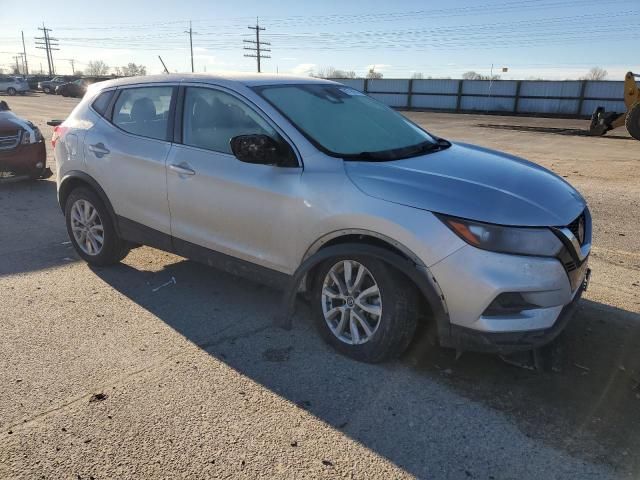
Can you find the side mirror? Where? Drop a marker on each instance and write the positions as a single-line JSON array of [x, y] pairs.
[[260, 149]]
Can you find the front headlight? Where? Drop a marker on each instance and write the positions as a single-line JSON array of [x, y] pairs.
[[28, 137], [538, 241]]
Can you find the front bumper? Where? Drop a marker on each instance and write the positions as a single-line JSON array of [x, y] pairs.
[[30, 159], [471, 279]]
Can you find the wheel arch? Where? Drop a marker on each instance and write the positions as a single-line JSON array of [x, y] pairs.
[[74, 179]]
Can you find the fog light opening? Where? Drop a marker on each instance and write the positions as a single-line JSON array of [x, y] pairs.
[[508, 303]]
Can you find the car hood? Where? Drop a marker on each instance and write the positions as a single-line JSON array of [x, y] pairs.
[[472, 182], [10, 122]]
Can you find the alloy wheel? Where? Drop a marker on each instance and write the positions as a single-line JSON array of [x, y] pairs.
[[87, 227], [351, 302]]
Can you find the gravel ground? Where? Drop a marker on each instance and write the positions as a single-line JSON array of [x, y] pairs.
[[101, 377]]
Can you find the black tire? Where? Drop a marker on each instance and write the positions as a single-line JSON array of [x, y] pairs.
[[399, 320], [11, 91], [46, 90], [114, 248], [632, 121]]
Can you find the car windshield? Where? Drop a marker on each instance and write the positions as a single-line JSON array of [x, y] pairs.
[[344, 122]]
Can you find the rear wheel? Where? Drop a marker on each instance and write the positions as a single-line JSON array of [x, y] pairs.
[[91, 230], [11, 91], [632, 121], [46, 90], [363, 308]]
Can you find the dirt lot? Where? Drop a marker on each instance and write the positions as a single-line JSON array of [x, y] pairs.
[[101, 377]]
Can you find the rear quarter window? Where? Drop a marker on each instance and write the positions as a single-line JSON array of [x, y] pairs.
[[101, 103]]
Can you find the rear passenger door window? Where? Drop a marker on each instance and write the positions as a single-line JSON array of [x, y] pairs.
[[212, 118], [144, 111]]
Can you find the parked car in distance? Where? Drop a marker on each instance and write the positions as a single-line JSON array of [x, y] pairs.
[[315, 186], [13, 85], [76, 88], [49, 86], [22, 149]]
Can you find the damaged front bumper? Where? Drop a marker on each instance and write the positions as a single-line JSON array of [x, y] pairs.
[[29, 159]]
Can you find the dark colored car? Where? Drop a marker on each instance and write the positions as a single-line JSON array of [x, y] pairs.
[[49, 86], [75, 89], [22, 149]]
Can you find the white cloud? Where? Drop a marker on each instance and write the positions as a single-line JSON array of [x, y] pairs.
[[303, 68]]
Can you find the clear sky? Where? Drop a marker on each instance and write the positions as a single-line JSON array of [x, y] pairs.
[[554, 39]]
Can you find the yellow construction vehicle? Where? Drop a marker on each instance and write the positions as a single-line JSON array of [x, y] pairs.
[[602, 122]]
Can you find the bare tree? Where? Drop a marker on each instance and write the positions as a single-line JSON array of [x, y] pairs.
[[331, 72], [596, 73], [471, 75], [372, 74], [418, 76], [97, 68], [132, 70]]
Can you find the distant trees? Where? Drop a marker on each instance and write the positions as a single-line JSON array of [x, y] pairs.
[[596, 73], [417, 76], [97, 68], [331, 72], [471, 75], [131, 70]]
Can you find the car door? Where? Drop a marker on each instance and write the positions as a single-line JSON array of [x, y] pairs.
[[126, 153], [220, 203]]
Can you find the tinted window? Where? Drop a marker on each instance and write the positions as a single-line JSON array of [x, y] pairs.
[[101, 103], [212, 118], [143, 111]]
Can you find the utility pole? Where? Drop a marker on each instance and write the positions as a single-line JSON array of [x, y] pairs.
[[190, 32], [24, 51], [16, 57], [73, 68], [257, 48], [48, 43]]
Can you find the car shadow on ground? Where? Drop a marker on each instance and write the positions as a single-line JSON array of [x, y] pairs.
[[33, 235], [575, 132], [583, 406]]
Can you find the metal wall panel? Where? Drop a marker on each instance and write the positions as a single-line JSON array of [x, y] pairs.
[[590, 105], [444, 102], [550, 89], [491, 104], [388, 85], [543, 105], [481, 87], [435, 86], [604, 90], [391, 99], [357, 83]]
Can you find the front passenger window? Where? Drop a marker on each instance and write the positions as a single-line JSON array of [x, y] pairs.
[[144, 111], [212, 118]]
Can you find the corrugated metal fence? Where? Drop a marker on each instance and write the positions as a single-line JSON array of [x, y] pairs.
[[571, 98]]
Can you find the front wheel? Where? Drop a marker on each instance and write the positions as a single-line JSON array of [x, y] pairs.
[[364, 308], [46, 90], [632, 121], [91, 229], [11, 91]]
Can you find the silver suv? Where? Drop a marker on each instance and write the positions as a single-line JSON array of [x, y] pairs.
[[318, 188], [13, 85]]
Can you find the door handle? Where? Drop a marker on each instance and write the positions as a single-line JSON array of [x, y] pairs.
[[99, 150], [181, 169]]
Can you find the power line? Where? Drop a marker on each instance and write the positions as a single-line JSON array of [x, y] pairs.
[[258, 45]]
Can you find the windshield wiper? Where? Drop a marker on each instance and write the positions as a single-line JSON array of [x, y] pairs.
[[400, 153]]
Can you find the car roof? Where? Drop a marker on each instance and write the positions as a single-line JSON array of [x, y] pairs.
[[247, 79]]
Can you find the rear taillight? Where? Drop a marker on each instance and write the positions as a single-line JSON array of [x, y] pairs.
[[57, 133]]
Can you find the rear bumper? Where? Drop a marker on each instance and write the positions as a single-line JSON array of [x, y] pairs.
[[25, 159]]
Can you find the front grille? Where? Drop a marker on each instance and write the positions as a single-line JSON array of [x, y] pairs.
[[9, 141], [573, 226]]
